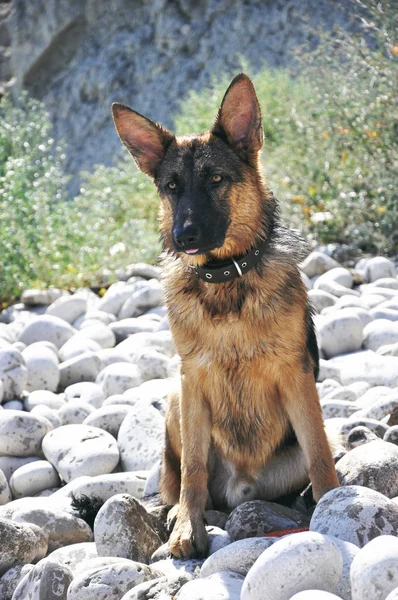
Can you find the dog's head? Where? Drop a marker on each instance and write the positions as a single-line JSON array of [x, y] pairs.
[[209, 183]]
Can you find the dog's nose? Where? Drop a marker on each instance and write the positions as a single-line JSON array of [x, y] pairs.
[[186, 236]]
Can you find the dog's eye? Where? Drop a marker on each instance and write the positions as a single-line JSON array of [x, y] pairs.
[[172, 185], [216, 178]]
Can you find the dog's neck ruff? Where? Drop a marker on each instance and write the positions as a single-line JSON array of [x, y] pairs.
[[220, 272]]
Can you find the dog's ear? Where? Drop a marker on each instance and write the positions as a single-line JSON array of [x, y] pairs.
[[239, 118], [144, 139]]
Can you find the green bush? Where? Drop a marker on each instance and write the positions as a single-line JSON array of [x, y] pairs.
[[46, 239]]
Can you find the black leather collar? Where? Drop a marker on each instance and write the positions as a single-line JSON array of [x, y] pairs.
[[220, 272]]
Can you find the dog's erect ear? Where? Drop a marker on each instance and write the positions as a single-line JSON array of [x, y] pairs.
[[239, 118], [143, 138]]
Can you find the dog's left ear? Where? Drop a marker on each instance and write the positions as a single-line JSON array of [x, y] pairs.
[[239, 118], [145, 140]]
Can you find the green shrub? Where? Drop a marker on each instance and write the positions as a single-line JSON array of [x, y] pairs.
[[46, 239]]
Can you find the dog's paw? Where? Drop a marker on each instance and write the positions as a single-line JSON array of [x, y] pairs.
[[188, 540]]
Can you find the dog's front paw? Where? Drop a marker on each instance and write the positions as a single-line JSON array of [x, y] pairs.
[[188, 539]]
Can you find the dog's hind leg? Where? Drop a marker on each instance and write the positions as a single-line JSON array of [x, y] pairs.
[[170, 477]]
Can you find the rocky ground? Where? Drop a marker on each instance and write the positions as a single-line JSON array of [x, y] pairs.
[[83, 387]]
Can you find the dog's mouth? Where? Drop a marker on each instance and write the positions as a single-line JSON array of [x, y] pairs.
[[203, 250]]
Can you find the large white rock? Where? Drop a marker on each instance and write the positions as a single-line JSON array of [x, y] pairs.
[[48, 579], [87, 392], [295, 563], [149, 296], [109, 356], [238, 556], [43, 398], [77, 450], [110, 582], [380, 333], [43, 369], [36, 297], [374, 570], [379, 268], [225, 585], [84, 367], [77, 345], [100, 333], [21, 433], [367, 366], [355, 514], [119, 377], [115, 296], [126, 327], [68, 308], [61, 527], [18, 544], [109, 418], [9, 464], [338, 275], [74, 412], [46, 327], [13, 373], [141, 437], [160, 340], [32, 478], [317, 263], [320, 299], [339, 332], [106, 486]]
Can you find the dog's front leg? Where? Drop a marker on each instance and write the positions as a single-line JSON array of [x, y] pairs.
[[303, 408], [189, 536]]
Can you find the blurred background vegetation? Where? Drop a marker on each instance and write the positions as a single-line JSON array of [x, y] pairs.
[[330, 155]]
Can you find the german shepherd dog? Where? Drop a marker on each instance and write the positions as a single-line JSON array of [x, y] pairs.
[[246, 423]]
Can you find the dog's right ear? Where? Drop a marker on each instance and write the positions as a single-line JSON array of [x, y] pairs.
[[144, 139]]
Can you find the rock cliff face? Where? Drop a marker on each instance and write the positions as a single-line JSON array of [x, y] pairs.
[[80, 55]]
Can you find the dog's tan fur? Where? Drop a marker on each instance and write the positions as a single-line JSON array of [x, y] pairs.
[[246, 376]]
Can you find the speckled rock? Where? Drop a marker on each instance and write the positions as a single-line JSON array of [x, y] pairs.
[[46, 327], [21, 433], [258, 517], [380, 333], [374, 570], [68, 308], [18, 544], [379, 268], [106, 486], [99, 332], [13, 373], [74, 412], [162, 588], [77, 450], [11, 578], [367, 366], [141, 437], [374, 465], [109, 418], [5, 492], [152, 364], [43, 369], [43, 398], [32, 478], [119, 377], [84, 367], [320, 299], [238, 556], [76, 346], [340, 332], [226, 585], [318, 263], [338, 408], [110, 582], [48, 579], [360, 435], [355, 514], [61, 527], [74, 556], [124, 528], [9, 464], [85, 391], [295, 563]]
